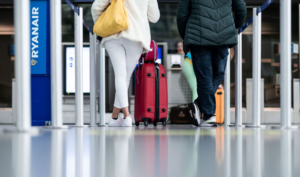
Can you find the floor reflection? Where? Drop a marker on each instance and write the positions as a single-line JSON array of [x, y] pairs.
[[172, 151]]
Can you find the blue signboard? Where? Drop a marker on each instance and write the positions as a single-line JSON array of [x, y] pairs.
[[40, 62], [40, 37]]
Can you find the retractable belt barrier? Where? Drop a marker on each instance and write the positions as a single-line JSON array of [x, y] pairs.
[[97, 54], [76, 9], [259, 10], [256, 19]]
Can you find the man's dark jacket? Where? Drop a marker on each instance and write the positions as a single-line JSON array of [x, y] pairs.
[[210, 22]]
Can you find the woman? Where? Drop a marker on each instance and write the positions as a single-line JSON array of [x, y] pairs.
[[179, 47], [125, 49], [187, 69]]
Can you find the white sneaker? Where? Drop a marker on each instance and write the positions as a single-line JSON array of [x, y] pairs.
[[127, 122], [211, 122], [195, 114], [115, 123]]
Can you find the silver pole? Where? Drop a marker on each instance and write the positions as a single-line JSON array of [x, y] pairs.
[[56, 64], [285, 63], [227, 91], [238, 83], [256, 70], [102, 86], [78, 67], [22, 63], [92, 80]]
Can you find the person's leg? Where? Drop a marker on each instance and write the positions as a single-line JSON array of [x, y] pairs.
[[118, 58], [133, 52], [189, 74], [202, 63], [219, 60], [220, 54]]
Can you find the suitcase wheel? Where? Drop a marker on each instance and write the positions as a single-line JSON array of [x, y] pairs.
[[146, 123], [164, 123], [155, 124], [137, 124]]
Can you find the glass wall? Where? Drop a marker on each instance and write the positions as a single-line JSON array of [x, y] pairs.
[[6, 56]]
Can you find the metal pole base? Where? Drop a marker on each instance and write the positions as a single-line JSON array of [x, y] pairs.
[[256, 126], [285, 127], [56, 127], [33, 131]]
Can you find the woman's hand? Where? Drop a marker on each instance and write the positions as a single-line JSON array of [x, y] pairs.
[[99, 38]]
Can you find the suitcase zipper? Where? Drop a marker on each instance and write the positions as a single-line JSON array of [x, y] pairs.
[[156, 118]]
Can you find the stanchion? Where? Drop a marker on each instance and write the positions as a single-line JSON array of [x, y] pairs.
[[22, 67], [238, 83], [285, 65], [102, 86], [92, 80], [56, 66], [227, 91], [256, 71], [79, 67]]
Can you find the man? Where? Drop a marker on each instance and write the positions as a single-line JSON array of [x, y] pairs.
[[208, 29]]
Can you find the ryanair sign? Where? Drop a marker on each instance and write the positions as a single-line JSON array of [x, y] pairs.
[[40, 37]]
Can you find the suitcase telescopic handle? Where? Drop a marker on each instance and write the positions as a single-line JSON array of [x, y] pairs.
[[142, 58]]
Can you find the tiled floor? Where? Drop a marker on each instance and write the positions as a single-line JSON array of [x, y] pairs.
[[182, 151]]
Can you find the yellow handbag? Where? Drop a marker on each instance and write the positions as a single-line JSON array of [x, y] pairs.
[[113, 20]]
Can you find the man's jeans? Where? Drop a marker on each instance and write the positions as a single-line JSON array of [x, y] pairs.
[[209, 64]]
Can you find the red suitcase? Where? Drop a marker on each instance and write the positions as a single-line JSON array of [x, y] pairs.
[[151, 92]]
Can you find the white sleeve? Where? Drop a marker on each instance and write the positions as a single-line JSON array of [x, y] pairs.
[[98, 7], [153, 11]]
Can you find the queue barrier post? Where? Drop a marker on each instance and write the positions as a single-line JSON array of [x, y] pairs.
[[102, 86], [56, 66], [227, 91], [92, 80], [79, 68], [256, 71], [238, 83], [22, 69], [285, 63]]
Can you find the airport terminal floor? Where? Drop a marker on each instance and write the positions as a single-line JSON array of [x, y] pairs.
[[177, 150]]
